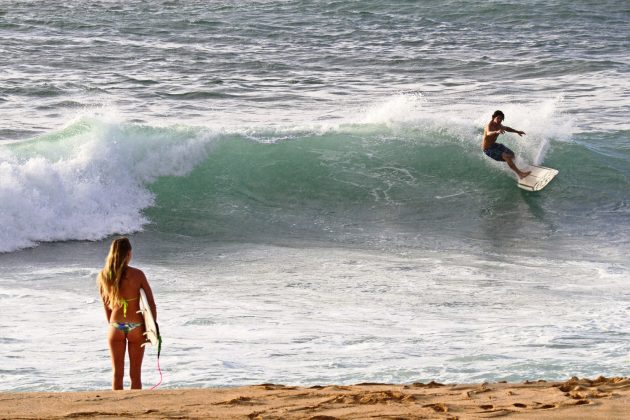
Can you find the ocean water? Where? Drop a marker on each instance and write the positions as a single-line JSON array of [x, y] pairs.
[[303, 185]]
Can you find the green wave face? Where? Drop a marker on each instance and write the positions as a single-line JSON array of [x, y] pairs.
[[409, 184], [385, 186]]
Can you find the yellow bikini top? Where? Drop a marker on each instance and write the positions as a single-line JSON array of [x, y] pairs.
[[125, 303]]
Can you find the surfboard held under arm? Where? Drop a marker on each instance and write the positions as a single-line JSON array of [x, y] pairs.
[[151, 333], [538, 179]]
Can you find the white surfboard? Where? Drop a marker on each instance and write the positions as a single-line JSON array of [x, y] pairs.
[[150, 327], [538, 179]]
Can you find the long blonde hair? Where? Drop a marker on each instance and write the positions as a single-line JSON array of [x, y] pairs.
[[113, 272]]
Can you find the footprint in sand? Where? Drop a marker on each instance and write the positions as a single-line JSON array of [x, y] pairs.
[[437, 407], [237, 401]]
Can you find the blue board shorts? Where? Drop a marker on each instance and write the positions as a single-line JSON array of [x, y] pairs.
[[496, 151]]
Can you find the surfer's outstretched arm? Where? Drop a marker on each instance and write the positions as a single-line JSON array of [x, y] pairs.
[[512, 130]]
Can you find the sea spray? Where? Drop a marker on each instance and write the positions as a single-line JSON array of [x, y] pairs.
[[90, 181], [100, 175]]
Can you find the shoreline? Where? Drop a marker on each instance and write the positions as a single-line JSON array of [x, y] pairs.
[[575, 398]]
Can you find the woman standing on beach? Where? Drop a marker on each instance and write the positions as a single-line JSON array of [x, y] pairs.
[[119, 286]]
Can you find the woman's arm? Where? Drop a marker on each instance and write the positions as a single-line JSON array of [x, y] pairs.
[[108, 312]]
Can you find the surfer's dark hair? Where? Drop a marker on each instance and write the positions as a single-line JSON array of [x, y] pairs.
[[498, 113]]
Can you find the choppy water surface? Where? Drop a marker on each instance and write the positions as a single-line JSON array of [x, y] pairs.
[[303, 185]]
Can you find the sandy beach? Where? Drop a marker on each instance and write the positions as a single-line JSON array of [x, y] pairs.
[[601, 398]]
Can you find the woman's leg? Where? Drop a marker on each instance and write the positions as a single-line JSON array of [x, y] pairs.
[[135, 339], [117, 344]]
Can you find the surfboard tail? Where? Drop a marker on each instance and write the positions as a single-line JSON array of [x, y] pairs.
[[539, 177]]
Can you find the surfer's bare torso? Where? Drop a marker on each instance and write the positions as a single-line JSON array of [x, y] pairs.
[[491, 133]]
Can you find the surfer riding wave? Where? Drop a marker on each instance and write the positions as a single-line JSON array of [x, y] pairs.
[[498, 151]]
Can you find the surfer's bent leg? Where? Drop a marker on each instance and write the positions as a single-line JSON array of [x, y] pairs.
[[135, 339], [117, 345], [509, 159]]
